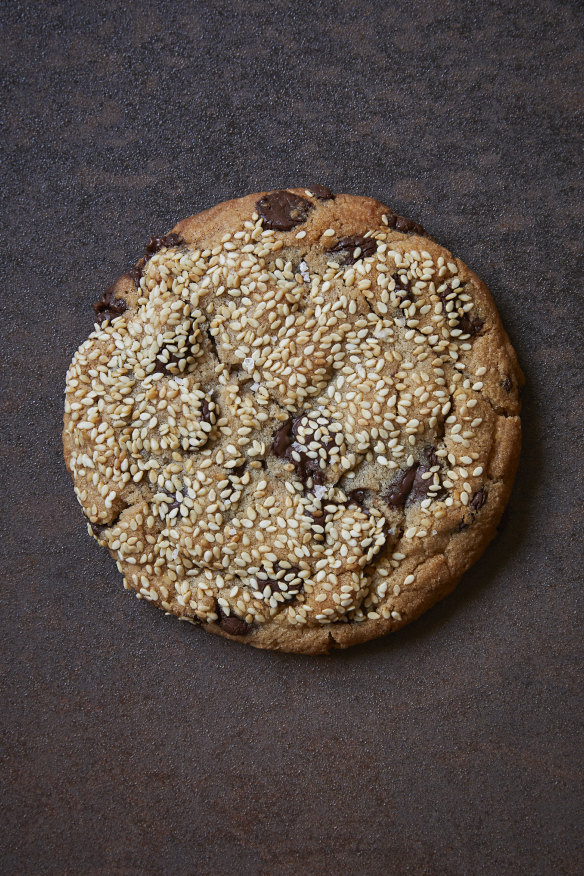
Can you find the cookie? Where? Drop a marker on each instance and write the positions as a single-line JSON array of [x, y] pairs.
[[296, 422]]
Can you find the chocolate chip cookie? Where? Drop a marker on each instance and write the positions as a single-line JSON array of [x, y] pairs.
[[296, 422]]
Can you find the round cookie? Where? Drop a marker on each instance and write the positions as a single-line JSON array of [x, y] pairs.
[[296, 422]]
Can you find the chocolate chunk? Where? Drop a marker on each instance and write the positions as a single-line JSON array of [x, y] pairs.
[[291, 587], [318, 516], [283, 210], [399, 490], [137, 270], [282, 439], [238, 470], [174, 503], [475, 504], [205, 411], [430, 454], [403, 289], [478, 500], [321, 192], [406, 226], [420, 485], [108, 306], [443, 296], [470, 323], [161, 367], [400, 223], [358, 497], [380, 548], [99, 528], [230, 623], [306, 466], [348, 245], [158, 242], [507, 383]]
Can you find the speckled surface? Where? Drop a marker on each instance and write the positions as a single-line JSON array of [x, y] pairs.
[[133, 744]]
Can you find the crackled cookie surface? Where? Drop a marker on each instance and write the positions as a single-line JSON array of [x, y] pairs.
[[296, 421]]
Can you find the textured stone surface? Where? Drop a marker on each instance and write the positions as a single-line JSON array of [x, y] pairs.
[[134, 744]]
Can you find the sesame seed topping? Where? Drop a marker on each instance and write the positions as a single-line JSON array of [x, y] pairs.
[[269, 433]]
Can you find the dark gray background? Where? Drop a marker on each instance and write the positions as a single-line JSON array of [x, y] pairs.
[[134, 744]]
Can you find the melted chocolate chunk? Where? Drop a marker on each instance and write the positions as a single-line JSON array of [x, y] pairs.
[[164, 367], [282, 439], [235, 626], [283, 210], [99, 528], [108, 306], [293, 589], [399, 490], [137, 270], [158, 242], [475, 504], [306, 467], [358, 497], [507, 383], [478, 500], [400, 223], [347, 246], [205, 411], [443, 296], [410, 486], [174, 504], [430, 454], [420, 485], [403, 290], [407, 226], [380, 548], [470, 323], [238, 470], [321, 192]]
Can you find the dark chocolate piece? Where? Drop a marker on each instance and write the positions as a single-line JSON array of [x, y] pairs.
[[230, 623], [478, 500], [137, 270], [158, 242], [399, 490], [282, 439], [283, 210], [470, 323], [410, 486], [507, 383], [402, 288], [161, 367], [475, 504], [358, 497], [275, 583], [108, 306], [407, 225], [347, 246], [205, 411], [306, 467], [321, 192]]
